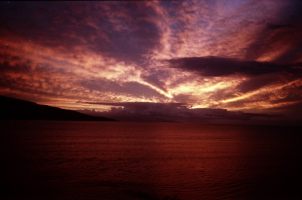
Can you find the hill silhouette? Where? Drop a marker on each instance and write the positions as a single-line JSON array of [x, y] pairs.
[[16, 109]]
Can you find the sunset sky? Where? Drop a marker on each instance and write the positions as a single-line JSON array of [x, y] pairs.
[[238, 55]]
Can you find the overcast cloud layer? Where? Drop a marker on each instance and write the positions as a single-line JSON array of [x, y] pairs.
[[239, 55]]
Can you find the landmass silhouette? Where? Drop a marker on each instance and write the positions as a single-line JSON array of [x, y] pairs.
[[17, 109]]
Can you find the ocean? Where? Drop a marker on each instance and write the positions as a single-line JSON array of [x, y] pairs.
[[151, 161]]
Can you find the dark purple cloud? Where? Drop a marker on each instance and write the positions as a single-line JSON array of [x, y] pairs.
[[145, 111], [284, 31], [123, 30], [218, 66], [257, 82]]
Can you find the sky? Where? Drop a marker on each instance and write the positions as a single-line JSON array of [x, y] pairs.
[[176, 57]]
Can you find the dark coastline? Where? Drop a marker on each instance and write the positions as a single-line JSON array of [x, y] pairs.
[[17, 109]]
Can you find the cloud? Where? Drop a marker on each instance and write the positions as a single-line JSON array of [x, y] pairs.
[[266, 98], [218, 66], [37, 73], [279, 40], [146, 111], [157, 77], [123, 30], [130, 88], [257, 82], [235, 55]]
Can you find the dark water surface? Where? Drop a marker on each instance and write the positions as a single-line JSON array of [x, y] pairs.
[[169, 161]]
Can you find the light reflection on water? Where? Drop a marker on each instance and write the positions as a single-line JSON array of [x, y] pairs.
[[115, 160]]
